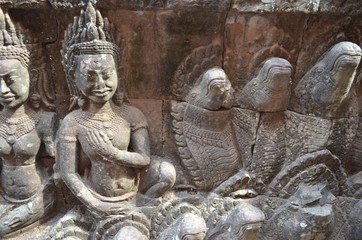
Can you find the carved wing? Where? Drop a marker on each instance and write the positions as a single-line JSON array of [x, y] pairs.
[[245, 123], [210, 157], [214, 153], [269, 151], [177, 112], [343, 132], [305, 134]]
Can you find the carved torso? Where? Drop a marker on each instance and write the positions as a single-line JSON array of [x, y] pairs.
[[20, 177], [105, 177]]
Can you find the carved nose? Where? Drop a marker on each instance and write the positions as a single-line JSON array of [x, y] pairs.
[[100, 83], [3, 87]]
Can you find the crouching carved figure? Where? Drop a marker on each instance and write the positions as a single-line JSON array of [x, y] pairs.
[[322, 117], [26, 134], [203, 133], [259, 122], [93, 146]]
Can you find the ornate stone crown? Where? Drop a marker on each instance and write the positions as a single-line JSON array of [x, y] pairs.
[[11, 41], [90, 33]]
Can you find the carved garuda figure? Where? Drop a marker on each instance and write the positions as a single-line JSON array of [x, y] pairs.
[[322, 90], [93, 153], [203, 132], [322, 119], [26, 132], [259, 122]]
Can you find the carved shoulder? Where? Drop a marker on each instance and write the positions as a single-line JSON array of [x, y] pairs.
[[134, 116], [68, 127]]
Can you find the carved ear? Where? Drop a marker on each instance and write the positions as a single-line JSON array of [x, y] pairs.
[[35, 100], [34, 74]]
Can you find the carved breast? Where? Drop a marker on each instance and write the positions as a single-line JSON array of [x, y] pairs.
[[24, 149]]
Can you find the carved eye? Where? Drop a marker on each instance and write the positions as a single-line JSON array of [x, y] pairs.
[[91, 77], [9, 79], [107, 75]]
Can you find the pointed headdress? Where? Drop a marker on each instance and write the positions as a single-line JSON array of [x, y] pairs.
[[90, 33], [11, 41]]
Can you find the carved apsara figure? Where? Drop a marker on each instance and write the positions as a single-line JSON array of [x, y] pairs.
[[259, 122], [203, 132], [94, 154], [321, 118], [26, 135]]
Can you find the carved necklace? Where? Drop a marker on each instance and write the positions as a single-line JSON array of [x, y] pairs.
[[12, 129], [106, 121]]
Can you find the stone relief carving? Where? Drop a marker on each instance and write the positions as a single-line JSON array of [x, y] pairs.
[[178, 220], [259, 122], [269, 160], [317, 102], [206, 147], [323, 88], [93, 155], [26, 133], [234, 219]]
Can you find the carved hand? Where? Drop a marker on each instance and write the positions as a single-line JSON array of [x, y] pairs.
[[99, 143]]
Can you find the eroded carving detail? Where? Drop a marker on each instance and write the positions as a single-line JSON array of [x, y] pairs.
[[234, 219], [269, 91], [308, 214]]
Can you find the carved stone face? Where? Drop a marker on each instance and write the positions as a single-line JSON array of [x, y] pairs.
[[14, 83], [96, 76], [213, 91]]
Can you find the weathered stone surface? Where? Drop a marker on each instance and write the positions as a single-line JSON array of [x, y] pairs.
[[252, 39], [213, 79], [305, 6]]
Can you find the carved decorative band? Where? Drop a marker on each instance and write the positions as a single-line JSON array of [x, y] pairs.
[[19, 53]]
